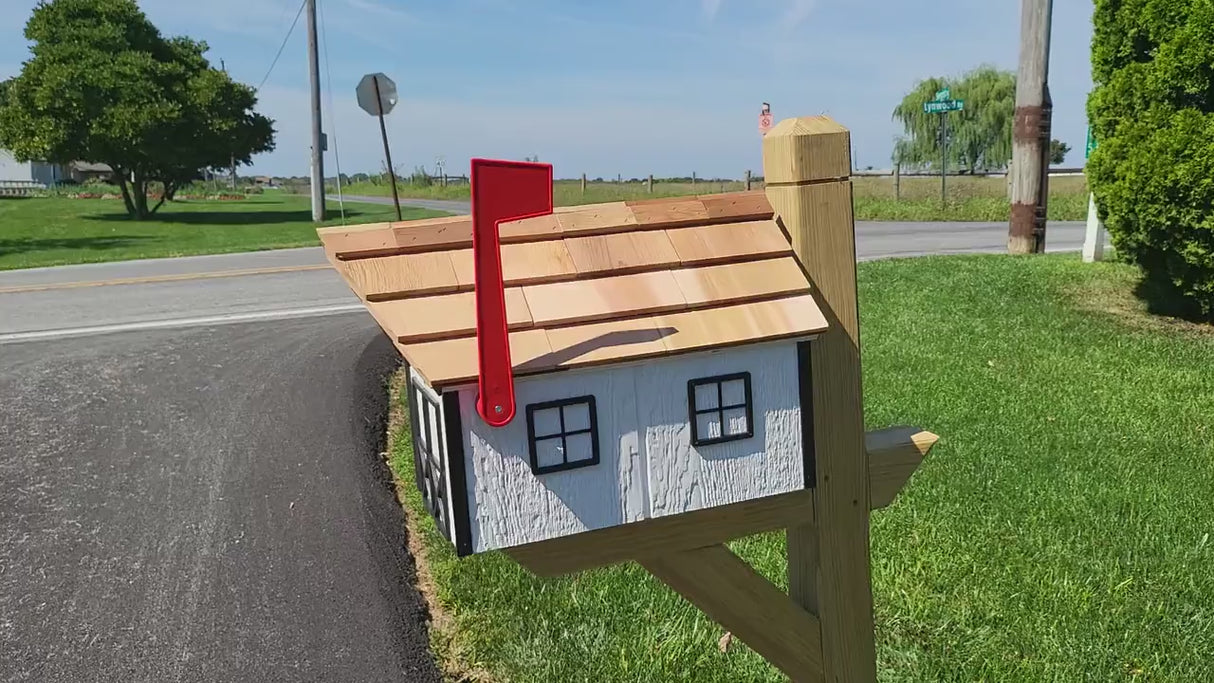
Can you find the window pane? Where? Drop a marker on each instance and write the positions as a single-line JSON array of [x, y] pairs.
[[419, 402], [735, 422], [435, 439], [577, 417], [547, 422], [706, 396], [733, 392], [708, 426], [579, 447], [548, 452]]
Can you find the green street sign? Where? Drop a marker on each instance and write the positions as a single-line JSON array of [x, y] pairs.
[[945, 106], [943, 94], [1091, 145]]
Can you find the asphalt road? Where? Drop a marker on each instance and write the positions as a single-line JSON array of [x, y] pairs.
[[190, 480], [204, 504]]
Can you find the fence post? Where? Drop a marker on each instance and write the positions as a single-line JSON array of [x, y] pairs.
[[898, 181], [748, 180], [649, 184], [583, 183], [693, 178], [444, 179]]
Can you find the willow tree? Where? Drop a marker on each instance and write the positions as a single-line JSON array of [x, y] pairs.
[[980, 136]]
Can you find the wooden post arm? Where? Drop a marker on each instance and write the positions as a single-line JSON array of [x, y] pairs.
[[893, 456]]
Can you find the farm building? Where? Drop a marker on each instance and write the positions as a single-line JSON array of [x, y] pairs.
[[658, 350]]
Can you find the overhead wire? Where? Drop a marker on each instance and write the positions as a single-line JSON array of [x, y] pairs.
[[285, 38], [324, 41]]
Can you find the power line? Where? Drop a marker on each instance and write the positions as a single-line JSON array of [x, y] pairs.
[[283, 46]]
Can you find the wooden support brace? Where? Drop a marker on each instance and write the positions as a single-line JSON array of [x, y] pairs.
[[893, 455], [738, 598]]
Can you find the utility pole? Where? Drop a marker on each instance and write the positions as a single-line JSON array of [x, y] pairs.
[[231, 157], [1030, 131], [318, 154]]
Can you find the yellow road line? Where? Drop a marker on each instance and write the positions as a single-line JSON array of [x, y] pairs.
[[161, 278]]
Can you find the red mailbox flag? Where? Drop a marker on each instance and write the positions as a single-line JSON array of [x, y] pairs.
[[501, 191]]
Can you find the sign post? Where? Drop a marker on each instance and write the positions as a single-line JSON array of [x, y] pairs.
[[765, 119], [1093, 238], [942, 104], [377, 96]]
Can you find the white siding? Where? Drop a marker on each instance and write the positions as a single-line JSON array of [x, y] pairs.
[[508, 505], [11, 169], [682, 477], [647, 465]]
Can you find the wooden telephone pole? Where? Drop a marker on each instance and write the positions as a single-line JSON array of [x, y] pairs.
[[1031, 130], [318, 152]]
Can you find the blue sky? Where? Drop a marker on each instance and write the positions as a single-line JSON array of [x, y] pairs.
[[605, 87]]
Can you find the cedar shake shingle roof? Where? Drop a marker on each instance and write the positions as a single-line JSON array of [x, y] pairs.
[[585, 285]]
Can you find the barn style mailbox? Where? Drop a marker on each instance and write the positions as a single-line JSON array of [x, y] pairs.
[[647, 380]]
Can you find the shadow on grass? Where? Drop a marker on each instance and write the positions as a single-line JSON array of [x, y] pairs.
[[218, 217], [1164, 298], [22, 246]]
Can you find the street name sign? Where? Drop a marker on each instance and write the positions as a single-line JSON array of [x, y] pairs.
[[939, 107]]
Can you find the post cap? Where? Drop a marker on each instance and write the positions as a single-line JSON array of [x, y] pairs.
[[805, 149]]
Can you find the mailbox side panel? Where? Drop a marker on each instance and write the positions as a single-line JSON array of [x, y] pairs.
[[509, 504], [684, 476]]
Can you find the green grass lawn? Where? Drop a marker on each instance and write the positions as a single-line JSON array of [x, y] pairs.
[[969, 199], [50, 231], [1060, 530]]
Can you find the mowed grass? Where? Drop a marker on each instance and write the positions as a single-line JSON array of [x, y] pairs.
[[1060, 530], [969, 199], [51, 231]]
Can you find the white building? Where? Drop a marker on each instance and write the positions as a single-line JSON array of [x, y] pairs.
[[660, 353], [40, 172]]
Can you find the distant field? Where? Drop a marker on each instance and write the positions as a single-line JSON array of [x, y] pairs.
[[969, 199], [51, 231]]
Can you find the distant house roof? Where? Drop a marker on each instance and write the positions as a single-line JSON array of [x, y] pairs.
[[586, 285], [90, 167]]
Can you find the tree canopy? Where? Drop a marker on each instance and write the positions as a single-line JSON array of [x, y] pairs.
[[1152, 111], [103, 85], [980, 136]]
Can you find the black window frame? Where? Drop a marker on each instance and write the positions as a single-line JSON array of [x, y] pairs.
[[533, 439], [747, 403]]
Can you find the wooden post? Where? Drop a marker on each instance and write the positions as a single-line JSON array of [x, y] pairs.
[[898, 182], [444, 180], [649, 184], [748, 180], [807, 164], [1026, 234], [583, 183], [693, 178]]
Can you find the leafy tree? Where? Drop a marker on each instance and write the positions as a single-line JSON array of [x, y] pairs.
[[1152, 111], [1058, 151], [103, 85], [980, 136]]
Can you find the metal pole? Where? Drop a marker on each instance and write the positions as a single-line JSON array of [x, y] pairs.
[[383, 133], [318, 156], [1026, 229], [943, 156]]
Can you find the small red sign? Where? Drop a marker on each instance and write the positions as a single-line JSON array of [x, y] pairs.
[[764, 122]]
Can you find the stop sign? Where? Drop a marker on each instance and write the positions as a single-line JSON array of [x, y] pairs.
[[366, 94]]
